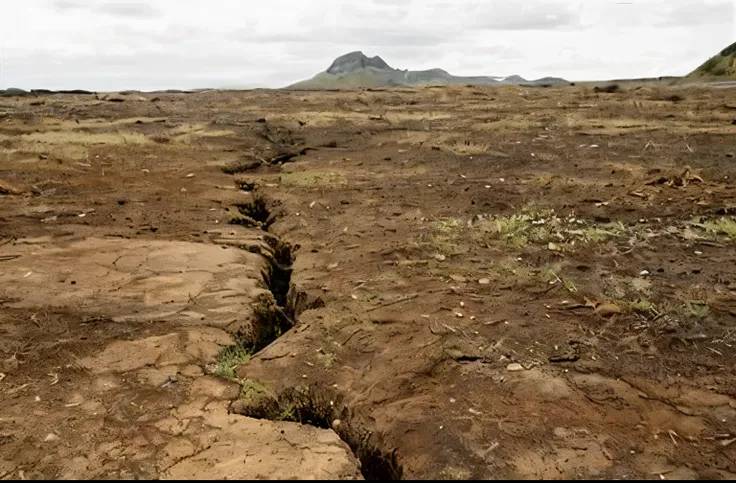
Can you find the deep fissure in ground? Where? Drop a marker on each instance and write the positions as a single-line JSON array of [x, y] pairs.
[[274, 316]]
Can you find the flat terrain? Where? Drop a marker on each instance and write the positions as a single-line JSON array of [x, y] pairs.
[[456, 282]]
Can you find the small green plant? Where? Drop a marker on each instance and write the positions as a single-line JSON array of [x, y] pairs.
[[252, 390], [641, 306], [288, 413], [569, 285], [232, 356], [721, 226], [697, 308]]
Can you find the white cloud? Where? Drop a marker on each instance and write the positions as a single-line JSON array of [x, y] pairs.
[[106, 44]]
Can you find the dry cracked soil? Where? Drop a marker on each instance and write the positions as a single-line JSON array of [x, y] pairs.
[[454, 283]]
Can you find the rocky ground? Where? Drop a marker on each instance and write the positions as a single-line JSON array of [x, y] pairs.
[[456, 282]]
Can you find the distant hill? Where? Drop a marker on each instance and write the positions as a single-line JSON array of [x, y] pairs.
[[355, 70], [721, 65]]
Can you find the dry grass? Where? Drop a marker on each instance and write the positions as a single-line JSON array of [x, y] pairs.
[[313, 179], [725, 226]]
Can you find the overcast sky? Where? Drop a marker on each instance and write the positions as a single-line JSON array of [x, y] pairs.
[[158, 44]]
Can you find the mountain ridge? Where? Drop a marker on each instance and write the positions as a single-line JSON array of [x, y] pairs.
[[355, 69]]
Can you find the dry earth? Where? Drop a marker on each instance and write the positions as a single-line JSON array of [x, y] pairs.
[[453, 283]]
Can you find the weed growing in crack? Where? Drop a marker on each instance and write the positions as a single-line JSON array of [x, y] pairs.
[[252, 390], [232, 356]]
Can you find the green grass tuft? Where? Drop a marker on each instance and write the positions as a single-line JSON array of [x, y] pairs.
[[232, 356]]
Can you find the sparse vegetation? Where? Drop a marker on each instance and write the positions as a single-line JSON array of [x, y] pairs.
[[697, 308], [725, 226], [326, 359], [313, 179], [642, 306], [232, 356], [721, 65]]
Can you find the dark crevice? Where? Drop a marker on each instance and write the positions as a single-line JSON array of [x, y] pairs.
[[244, 185], [274, 315], [323, 409], [254, 214]]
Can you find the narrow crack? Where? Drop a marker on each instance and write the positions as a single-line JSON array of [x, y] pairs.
[[276, 315]]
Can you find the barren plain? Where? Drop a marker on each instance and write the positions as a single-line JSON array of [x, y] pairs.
[[457, 282]]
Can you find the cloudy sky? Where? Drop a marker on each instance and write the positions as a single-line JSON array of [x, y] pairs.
[[157, 44]]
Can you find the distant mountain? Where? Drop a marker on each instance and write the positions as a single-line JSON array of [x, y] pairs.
[[721, 65], [358, 70]]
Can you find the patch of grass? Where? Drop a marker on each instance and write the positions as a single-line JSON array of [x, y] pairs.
[[308, 179], [442, 237], [253, 390], [569, 285], [232, 356], [642, 306], [288, 413], [697, 308], [549, 275], [531, 225], [326, 359], [725, 226], [599, 233]]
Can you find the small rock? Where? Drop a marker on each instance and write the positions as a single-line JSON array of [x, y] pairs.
[[553, 246], [336, 424], [458, 278], [484, 281], [190, 175], [439, 257], [51, 437], [644, 273], [515, 367], [145, 171]]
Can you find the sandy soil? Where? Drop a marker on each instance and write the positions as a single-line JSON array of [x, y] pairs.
[[451, 283]]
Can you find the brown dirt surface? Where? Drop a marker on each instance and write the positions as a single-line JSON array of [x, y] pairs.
[[454, 283]]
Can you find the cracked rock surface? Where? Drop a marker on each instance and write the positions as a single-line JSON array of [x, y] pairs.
[[121, 392]]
